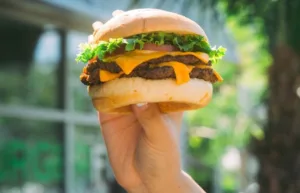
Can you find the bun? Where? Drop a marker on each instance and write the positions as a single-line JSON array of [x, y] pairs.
[[117, 95], [145, 21]]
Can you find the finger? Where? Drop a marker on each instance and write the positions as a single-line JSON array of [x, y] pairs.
[[97, 25], [108, 121], [90, 38], [110, 124], [117, 12], [158, 127], [103, 117]]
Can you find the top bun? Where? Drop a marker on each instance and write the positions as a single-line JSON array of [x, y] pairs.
[[140, 21]]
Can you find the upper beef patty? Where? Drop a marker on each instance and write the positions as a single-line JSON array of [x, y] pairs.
[[90, 74]]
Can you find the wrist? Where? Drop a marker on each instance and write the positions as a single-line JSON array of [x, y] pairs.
[[183, 183]]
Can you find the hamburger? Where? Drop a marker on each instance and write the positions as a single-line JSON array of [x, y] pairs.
[[149, 56]]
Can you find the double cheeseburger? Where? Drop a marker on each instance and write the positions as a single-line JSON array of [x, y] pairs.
[[149, 56]]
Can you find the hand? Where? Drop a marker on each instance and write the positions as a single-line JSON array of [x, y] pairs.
[[143, 148]]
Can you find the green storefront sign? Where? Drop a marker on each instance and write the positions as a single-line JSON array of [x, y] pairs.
[[39, 161]]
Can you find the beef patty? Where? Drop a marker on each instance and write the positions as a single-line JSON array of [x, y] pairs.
[[147, 70]]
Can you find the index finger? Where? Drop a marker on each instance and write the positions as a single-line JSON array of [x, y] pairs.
[[104, 117]]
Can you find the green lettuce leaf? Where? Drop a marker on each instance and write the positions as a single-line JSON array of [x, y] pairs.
[[217, 54], [185, 43]]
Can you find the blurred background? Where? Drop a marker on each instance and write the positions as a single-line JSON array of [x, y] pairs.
[[247, 140]]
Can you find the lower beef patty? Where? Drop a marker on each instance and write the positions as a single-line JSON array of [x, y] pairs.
[[90, 75]]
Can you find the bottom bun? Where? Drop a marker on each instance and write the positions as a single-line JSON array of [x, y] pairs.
[[117, 95]]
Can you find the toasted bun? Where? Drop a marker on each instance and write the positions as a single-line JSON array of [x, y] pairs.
[[140, 21], [117, 95]]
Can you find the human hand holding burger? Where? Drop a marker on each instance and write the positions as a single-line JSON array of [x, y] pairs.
[[145, 67], [143, 150]]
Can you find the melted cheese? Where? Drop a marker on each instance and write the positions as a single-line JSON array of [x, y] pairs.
[[203, 66], [219, 77], [131, 60], [105, 76], [182, 71]]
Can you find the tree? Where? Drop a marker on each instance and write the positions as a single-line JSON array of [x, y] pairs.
[[278, 153]]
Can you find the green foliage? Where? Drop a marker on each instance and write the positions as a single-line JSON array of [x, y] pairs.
[[226, 114], [232, 127], [185, 43], [275, 17], [195, 141], [229, 182], [204, 177]]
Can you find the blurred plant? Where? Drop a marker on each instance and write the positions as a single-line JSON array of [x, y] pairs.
[[275, 26], [228, 120]]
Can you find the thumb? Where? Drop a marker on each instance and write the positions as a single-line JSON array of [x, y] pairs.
[[158, 127]]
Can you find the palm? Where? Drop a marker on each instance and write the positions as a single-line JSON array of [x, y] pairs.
[[132, 155]]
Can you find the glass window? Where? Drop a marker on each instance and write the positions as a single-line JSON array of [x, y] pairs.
[[31, 154], [29, 65], [82, 100]]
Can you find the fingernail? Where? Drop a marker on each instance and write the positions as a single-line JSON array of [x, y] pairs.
[[90, 38], [96, 25], [141, 104], [117, 12]]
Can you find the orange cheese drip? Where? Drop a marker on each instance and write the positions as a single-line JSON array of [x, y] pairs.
[[219, 77], [182, 71], [107, 76]]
